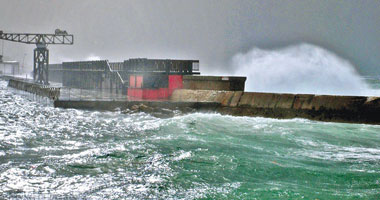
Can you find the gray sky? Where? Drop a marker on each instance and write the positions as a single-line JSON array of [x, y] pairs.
[[212, 31]]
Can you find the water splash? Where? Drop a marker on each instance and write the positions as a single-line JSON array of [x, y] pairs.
[[93, 57], [302, 68]]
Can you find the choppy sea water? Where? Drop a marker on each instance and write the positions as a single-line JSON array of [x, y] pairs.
[[48, 152]]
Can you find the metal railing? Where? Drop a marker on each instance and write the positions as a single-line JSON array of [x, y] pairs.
[[89, 94]]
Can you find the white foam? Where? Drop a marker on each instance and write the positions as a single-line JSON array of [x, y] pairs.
[[302, 68]]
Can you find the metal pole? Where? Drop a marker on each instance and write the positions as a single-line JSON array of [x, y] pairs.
[[23, 63]]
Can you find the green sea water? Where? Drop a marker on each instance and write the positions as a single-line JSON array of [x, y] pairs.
[[53, 153]]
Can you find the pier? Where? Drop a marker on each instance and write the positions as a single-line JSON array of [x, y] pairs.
[[176, 85]]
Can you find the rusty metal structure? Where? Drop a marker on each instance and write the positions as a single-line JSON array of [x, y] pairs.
[[41, 52]]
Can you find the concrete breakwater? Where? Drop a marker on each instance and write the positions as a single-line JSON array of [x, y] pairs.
[[34, 88], [349, 109], [122, 105], [161, 109]]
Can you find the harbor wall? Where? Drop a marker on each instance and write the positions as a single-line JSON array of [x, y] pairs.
[[34, 88], [351, 109], [147, 105]]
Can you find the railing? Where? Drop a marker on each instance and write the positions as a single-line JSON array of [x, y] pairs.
[[116, 72], [35, 88], [89, 94], [143, 65]]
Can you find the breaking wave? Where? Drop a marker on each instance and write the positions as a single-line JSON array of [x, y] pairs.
[[302, 68]]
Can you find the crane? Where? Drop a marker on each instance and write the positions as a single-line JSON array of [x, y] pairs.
[[41, 52]]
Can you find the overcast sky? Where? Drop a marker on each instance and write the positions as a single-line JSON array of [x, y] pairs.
[[212, 31]]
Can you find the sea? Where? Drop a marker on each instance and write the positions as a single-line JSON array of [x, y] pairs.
[[55, 153]]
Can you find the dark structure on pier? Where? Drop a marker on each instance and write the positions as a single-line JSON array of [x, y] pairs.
[[157, 79], [141, 78]]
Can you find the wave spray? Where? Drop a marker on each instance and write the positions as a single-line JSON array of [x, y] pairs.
[[302, 68]]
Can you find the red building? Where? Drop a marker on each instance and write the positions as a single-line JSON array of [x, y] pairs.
[[155, 79]]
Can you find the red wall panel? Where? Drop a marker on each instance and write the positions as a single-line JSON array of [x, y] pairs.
[[136, 93], [139, 81], [136, 82], [163, 93], [132, 81], [151, 94], [175, 82]]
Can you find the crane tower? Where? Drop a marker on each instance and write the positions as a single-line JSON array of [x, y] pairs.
[[41, 52]]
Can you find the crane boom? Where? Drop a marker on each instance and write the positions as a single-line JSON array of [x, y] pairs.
[[37, 38], [41, 53]]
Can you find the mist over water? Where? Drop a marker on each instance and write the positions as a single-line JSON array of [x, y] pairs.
[[302, 69]]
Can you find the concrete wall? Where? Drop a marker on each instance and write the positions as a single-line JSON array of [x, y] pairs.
[[225, 98], [41, 90], [214, 83], [353, 109], [150, 105]]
